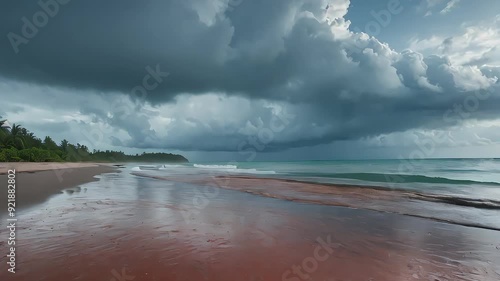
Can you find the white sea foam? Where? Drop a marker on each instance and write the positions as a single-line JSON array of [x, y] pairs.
[[253, 171], [167, 167], [149, 167], [215, 166], [233, 169], [135, 169]]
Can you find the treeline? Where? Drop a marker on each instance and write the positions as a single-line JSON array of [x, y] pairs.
[[21, 145]]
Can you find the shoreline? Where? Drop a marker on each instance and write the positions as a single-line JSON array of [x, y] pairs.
[[31, 167], [435, 207], [37, 182]]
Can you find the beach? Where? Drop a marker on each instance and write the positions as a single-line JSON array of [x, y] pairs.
[[129, 224], [38, 181], [233, 140]]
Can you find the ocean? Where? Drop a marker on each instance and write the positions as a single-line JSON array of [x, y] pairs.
[[477, 178], [461, 191]]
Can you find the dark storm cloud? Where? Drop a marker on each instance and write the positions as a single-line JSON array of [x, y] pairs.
[[340, 85], [107, 45]]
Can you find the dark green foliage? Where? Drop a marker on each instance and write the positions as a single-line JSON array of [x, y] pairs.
[[20, 145], [49, 144], [39, 155], [145, 157], [10, 155]]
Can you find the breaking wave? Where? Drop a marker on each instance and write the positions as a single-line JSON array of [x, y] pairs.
[[220, 169], [398, 178], [233, 169], [215, 166]]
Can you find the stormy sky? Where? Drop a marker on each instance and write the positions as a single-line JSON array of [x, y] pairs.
[[257, 80]]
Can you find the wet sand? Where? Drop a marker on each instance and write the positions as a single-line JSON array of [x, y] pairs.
[[30, 167], [438, 207], [125, 227], [35, 182]]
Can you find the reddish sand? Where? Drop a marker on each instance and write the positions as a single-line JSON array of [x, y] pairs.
[[140, 231], [374, 198]]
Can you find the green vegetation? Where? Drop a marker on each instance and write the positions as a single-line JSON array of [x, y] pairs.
[[21, 145]]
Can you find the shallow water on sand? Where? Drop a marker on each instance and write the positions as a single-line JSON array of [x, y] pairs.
[[126, 227]]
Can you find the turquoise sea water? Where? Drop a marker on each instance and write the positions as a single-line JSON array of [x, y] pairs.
[[473, 178], [461, 191]]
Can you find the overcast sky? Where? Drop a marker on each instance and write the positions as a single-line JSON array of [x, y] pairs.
[[222, 80]]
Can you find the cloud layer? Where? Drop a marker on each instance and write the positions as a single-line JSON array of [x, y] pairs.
[[235, 68]]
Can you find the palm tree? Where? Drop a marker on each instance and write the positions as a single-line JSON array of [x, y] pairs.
[[15, 138], [64, 145], [4, 124], [3, 132], [2, 129]]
